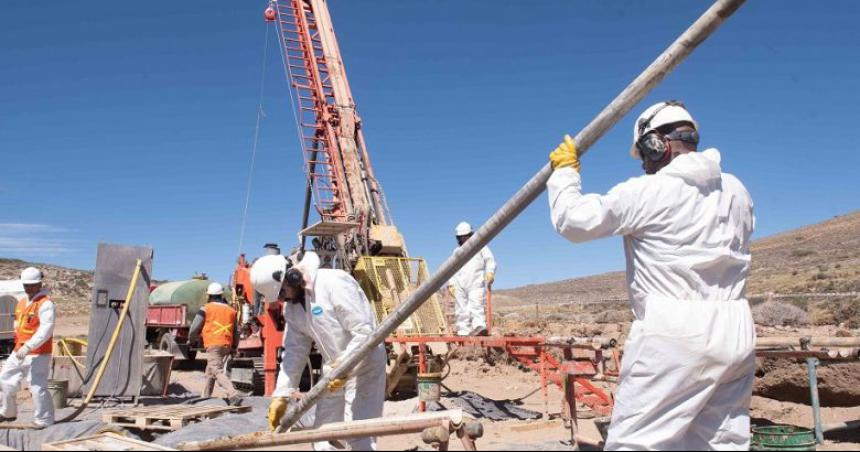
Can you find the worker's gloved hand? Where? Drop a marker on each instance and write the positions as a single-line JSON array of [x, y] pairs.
[[277, 409], [338, 383], [565, 155], [491, 278], [22, 352], [451, 291]]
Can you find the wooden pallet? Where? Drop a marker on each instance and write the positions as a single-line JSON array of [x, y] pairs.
[[103, 441], [166, 417]]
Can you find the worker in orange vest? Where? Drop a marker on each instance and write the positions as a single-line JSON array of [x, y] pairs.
[[217, 321], [34, 332]]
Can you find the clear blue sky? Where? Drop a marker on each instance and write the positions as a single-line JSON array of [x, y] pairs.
[[131, 122]]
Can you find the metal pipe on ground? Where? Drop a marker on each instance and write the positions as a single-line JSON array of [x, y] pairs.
[[840, 426], [415, 423], [632, 94], [808, 341]]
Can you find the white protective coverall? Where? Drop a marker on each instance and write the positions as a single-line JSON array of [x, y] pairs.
[[337, 317], [470, 290], [35, 368], [689, 362]]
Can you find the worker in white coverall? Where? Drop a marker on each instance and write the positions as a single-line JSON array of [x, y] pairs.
[[469, 287], [328, 308], [34, 332], [689, 361]]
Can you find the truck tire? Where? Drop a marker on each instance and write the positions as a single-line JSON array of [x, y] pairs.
[[166, 343]]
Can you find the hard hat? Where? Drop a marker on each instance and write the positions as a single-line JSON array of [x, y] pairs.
[[267, 275], [215, 289], [656, 116], [463, 229], [31, 275]]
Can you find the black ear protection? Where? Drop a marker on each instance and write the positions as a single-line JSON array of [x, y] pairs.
[[293, 277], [653, 145]]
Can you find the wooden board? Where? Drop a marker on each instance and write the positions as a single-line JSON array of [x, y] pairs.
[[166, 417], [103, 441]]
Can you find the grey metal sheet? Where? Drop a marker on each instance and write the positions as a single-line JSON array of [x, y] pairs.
[[114, 269]]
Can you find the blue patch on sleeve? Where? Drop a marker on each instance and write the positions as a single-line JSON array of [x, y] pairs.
[[317, 311]]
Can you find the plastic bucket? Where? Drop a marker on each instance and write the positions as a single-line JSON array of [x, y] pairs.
[[430, 387], [58, 390], [782, 437]]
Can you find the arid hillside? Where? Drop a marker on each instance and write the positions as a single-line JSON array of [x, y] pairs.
[[823, 257]]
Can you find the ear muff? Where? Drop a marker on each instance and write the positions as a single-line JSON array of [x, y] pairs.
[[295, 279], [652, 146]]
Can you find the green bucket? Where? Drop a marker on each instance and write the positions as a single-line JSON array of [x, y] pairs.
[[782, 437], [429, 387], [58, 390]]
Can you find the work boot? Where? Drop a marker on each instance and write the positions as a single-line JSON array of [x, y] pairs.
[[235, 400]]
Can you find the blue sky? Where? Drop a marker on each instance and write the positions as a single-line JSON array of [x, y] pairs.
[[132, 122]]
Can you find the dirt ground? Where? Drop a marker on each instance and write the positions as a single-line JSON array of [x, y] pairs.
[[506, 382]]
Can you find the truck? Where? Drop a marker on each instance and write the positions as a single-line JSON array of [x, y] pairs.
[[10, 292], [172, 307]]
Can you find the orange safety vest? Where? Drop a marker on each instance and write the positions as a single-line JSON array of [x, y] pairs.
[[219, 324], [27, 318]]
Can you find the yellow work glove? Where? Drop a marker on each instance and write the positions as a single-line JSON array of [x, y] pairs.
[[491, 277], [338, 383], [565, 155], [277, 409], [451, 291]]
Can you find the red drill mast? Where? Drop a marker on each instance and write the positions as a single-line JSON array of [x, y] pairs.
[[347, 197]]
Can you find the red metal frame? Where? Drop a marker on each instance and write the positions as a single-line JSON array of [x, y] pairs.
[[310, 78], [572, 374], [270, 337]]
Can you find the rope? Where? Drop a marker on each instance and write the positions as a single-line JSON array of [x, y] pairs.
[[260, 115]]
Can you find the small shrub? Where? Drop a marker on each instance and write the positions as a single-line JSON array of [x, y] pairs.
[[774, 313], [801, 253]]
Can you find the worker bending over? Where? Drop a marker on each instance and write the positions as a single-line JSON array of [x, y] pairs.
[[326, 307], [34, 333], [469, 287], [689, 362], [217, 321]]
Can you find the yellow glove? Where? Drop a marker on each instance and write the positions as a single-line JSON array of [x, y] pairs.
[[565, 155], [491, 277], [277, 409], [336, 385], [451, 291]]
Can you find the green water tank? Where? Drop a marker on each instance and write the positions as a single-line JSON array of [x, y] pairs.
[[191, 293]]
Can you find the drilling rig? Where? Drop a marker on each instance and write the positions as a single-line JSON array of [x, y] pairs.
[[352, 228]]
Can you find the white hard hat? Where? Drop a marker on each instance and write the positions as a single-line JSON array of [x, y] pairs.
[[463, 229], [31, 275], [215, 289], [656, 116], [263, 275]]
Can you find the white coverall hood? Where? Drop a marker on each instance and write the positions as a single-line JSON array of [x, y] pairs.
[[309, 266], [689, 361], [700, 169]]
